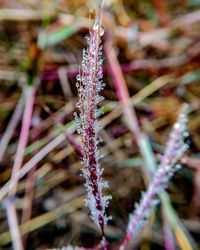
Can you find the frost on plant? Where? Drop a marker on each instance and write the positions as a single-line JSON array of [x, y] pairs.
[[89, 85], [175, 148]]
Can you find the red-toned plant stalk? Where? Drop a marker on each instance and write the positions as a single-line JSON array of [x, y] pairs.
[[89, 84]]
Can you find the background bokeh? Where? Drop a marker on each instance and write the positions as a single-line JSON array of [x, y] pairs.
[[156, 45]]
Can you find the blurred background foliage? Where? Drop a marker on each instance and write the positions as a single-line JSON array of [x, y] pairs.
[[157, 46]]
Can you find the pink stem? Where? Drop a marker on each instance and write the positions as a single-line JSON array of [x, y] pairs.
[[122, 90], [11, 127], [11, 210]]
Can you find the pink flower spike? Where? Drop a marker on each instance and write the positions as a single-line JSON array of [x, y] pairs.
[[89, 85], [175, 148]]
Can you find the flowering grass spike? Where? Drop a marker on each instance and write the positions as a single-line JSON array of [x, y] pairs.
[[89, 85], [175, 148]]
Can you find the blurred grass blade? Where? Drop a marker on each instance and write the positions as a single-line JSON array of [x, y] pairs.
[[47, 39], [182, 240], [183, 237], [131, 162], [5, 139], [147, 153], [190, 77]]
